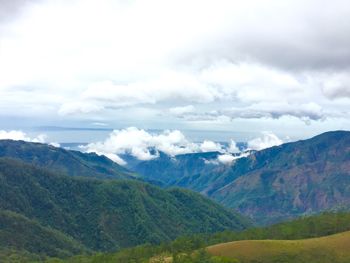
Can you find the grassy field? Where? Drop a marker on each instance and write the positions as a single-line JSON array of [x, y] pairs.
[[334, 248]]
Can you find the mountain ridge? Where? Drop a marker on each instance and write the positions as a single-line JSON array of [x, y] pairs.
[[73, 163]]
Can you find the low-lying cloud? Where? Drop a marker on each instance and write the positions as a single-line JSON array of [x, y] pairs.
[[267, 140], [140, 143], [18, 135], [145, 145]]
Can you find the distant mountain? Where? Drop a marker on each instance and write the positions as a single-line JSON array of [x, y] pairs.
[[271, 185], [286, 181], [168, 170], [73, 163], [98, 215]]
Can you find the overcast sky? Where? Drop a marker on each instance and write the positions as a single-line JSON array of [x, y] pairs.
[[239, 66]]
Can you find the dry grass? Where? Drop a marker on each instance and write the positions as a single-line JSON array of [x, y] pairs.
[[161, 259], [248, 250]]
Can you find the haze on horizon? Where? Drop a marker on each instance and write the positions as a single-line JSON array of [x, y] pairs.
[[243, 67]]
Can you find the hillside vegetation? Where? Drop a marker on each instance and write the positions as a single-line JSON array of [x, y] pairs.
[[191, 249], [20, 233], [101, 215]]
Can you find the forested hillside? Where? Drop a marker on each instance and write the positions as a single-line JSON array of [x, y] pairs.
[[191, 249], [102, 215]]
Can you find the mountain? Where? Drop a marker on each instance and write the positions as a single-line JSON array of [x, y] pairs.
[[289, 180], [73, 163], [271, 185], [102, 215]]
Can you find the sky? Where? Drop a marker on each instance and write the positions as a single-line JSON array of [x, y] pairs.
[[215, 70]]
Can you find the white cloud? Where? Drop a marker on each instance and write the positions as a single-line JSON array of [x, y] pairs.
[[20, 136], [138, 143], [182, 110], [170, 87], [115, 158], [233, 147], [232, 153], [55, 144], [267, 140], [258, 92], [79, 107], [210, 146], [229, 158], [226, 158], [101, 124], [337, 85], [277, 110], [211, 161], [145, 145]]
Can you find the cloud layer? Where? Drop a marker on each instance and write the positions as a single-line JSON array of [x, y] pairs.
[[145, 146], [140, 143], [179, 62]]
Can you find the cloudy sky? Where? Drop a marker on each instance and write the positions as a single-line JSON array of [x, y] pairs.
[[240, 67]]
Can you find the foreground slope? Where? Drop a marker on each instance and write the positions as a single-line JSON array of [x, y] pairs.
[[189, 249], [108, 214], [73, 163], [334, 248]]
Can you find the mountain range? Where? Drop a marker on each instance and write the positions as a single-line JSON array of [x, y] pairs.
[[58, 202], [270, 185]]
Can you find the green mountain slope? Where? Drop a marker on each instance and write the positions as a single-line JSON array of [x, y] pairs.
[[73, 163], [20, 233], [108, 214]]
